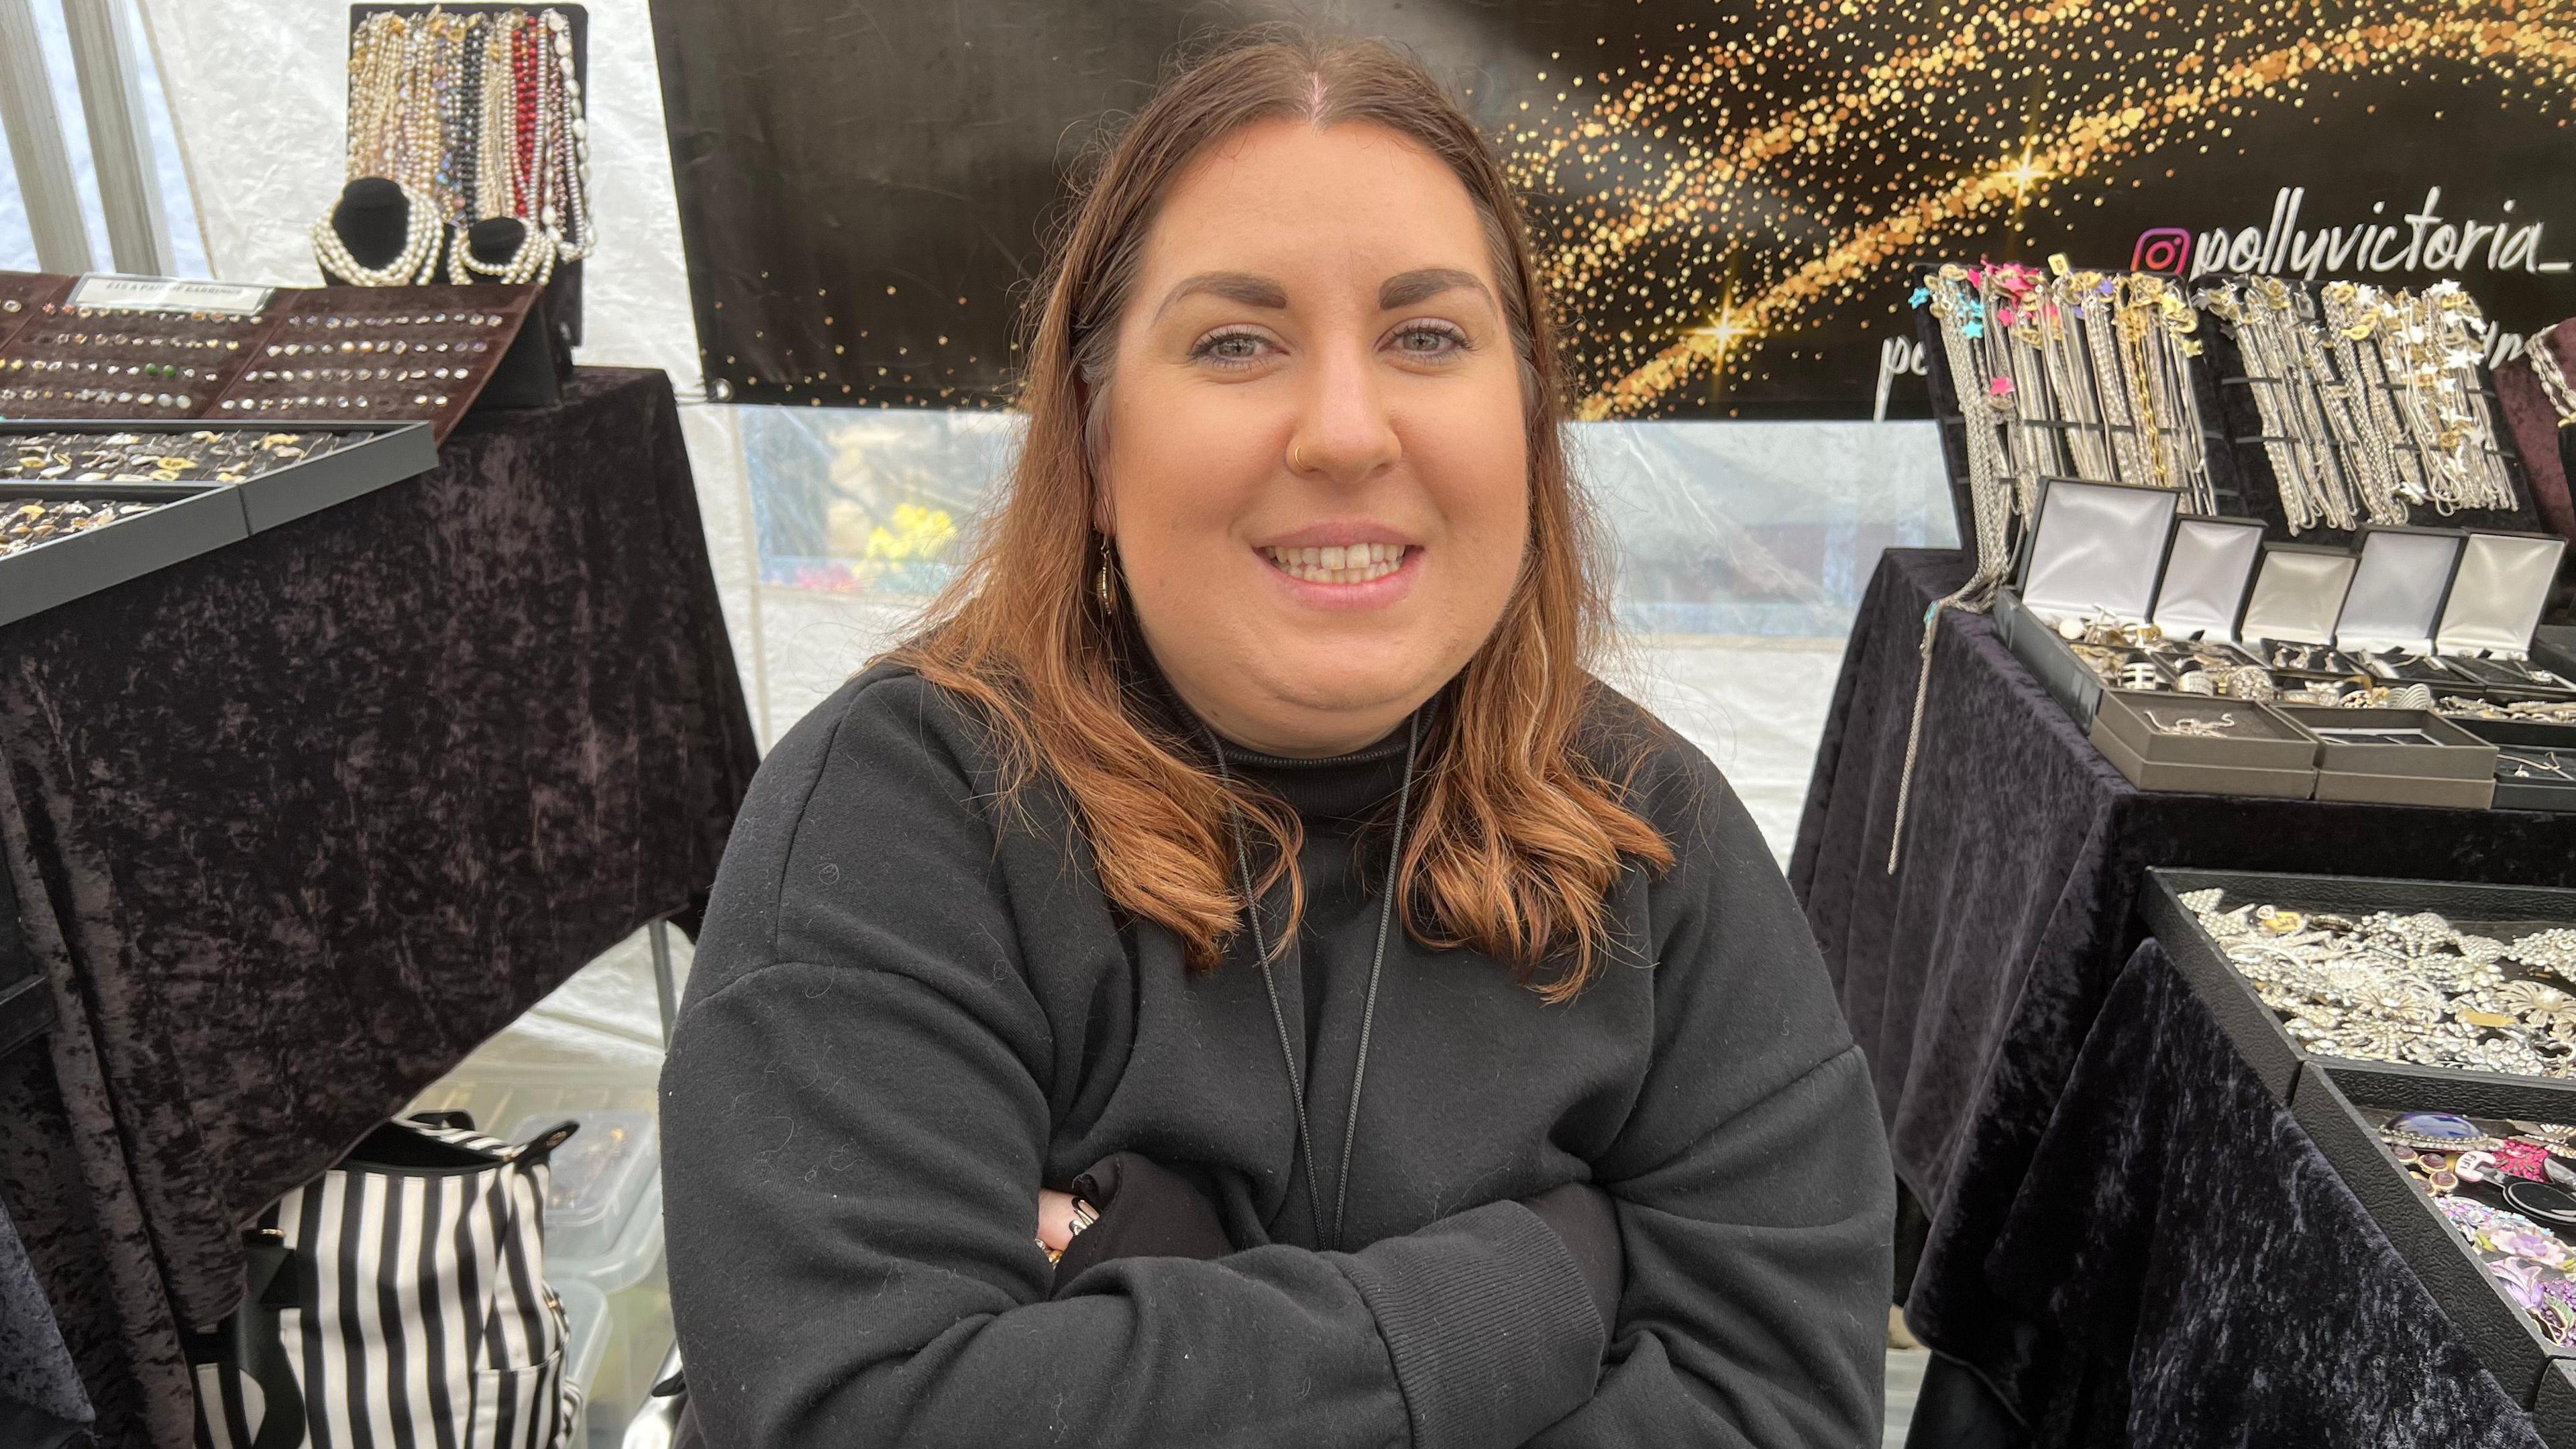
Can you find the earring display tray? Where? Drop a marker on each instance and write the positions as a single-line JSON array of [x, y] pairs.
[[56, 476], [415, 354], [2456, 1240], [2536, 927], [73, 361], [329, 355], [23, 296]]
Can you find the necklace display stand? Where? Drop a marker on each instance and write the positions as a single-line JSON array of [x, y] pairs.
[[563, 311], [374, 223], [531, 374]]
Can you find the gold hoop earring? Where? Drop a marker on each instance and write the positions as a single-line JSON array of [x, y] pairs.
[[1101, 586]]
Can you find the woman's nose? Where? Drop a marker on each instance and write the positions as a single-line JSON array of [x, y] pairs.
[[1344, 431]]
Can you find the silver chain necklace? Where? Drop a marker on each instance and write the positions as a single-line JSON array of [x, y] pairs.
[[1368, 1010]]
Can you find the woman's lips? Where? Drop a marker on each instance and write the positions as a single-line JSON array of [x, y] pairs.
[[1328, 578]]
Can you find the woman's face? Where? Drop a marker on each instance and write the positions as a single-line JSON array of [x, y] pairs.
[[1315, 471]]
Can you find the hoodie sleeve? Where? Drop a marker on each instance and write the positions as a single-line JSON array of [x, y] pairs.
[[1755, 1199], [854, 1129]]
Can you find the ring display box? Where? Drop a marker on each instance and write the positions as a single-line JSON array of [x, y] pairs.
[[2397, 757], [2395, 600], [2218, 747], [2095, 551], [2492, 612], [2535, 762], [2209, 564], [2290, 615], [282, 475]]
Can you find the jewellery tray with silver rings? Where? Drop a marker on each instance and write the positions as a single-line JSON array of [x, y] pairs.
[[188, 519], [2329, 1103], [2455, 770], [2211, 746]]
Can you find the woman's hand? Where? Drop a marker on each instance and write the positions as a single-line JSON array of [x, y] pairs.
[[1055, 1219]]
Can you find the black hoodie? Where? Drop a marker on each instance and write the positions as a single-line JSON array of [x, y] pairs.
[[911, 1008]]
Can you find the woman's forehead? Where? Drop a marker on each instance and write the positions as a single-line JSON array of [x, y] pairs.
[[1351, 205]]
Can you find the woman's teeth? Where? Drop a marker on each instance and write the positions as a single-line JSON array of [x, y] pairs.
[[1358, 563]]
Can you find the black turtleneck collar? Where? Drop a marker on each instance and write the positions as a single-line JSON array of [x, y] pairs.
[[1330, 789]]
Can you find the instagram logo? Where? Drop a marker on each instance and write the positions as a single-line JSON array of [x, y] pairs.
[[2165, 249]]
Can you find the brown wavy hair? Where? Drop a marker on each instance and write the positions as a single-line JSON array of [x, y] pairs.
[[1518, 834]]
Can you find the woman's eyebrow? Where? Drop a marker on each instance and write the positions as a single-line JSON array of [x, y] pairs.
[[1244, 287], [1406, 288]]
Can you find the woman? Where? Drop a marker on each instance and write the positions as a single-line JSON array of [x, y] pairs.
[[1558, 1141]]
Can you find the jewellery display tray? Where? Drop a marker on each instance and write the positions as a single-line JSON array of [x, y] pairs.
[[243, 394], [2075, 688], [2266, 754], [2455, 771], [2275, 1055], [2328, 1103], [2512, 793], [194, 517]]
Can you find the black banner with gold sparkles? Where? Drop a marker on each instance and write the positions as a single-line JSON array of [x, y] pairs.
[[1727, 197]]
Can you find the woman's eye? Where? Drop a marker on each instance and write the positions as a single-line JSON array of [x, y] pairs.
[[1231, 349], [1430, 339]]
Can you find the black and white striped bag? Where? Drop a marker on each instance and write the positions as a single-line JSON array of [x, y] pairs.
[[399, 1301]]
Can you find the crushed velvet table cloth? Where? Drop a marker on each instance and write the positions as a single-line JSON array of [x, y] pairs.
[[2188, 1269], [1973, 975], [294, 825]]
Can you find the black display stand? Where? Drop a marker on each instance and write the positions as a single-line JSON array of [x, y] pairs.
[[2240, 474]]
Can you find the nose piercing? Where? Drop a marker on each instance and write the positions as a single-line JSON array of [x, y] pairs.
[[1296, 457]]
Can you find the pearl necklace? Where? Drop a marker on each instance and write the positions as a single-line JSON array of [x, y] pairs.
[[533, 263], [418, 261]]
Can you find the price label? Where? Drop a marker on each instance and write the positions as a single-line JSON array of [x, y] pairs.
[[169, 294]]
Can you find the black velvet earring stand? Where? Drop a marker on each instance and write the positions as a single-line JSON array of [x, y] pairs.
[[373, 218], [532, 374]]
